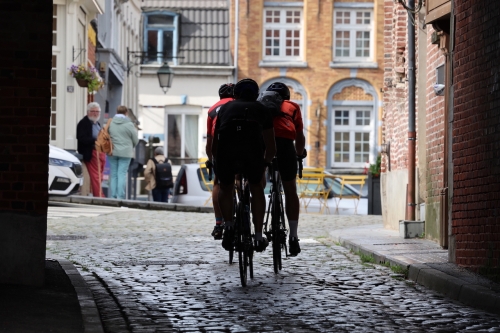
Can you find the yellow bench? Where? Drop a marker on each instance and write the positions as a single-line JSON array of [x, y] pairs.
[[349, 180], [312, 186]]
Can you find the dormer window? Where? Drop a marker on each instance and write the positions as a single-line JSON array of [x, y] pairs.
[[160, 37]]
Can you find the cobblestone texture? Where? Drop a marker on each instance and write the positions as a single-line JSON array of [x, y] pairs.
[[325, 289]]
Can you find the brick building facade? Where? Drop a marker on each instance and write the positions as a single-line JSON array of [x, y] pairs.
[[322, 82], [457, 160]]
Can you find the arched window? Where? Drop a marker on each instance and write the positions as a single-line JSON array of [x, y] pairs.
[[352, 124]]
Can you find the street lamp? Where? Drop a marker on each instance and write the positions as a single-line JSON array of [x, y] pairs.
[[165, 77]]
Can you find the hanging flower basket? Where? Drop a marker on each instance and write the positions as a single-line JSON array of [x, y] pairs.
[[82, 83], [87, 77]]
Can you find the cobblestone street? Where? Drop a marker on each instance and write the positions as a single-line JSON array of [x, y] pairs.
[[157, 271]]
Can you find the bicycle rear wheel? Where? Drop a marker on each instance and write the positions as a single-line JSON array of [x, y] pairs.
[[241, 245], [243, 260], [248, 240], [276, 233]]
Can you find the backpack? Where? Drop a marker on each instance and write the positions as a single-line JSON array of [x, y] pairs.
[[272, 100], [163, 174], [103, 142]]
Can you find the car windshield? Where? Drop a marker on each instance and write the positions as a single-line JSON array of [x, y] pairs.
[[335, 186], [204, 182]]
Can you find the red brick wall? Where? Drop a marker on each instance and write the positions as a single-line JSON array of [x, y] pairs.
[[25, 69], [435, 122], [476, 134], [395, 112]]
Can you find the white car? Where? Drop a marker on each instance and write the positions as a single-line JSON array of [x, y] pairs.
[[190, 189], [65, 172]]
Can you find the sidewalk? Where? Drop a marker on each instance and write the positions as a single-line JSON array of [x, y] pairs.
[[426, 262]]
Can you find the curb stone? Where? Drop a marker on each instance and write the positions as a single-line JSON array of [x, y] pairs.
[[473, 295], [90, 315], [136, 204]]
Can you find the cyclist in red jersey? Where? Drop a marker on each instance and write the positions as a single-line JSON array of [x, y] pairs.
[[226, 95], [288, 127], [243, 143]]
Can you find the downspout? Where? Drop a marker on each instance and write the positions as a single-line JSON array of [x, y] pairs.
[[236, 38], [450, 239], [412, 136]]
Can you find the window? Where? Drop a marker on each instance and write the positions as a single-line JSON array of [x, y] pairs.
[[182, 133], [282, 34], [353, 35], [351, 135], [160, 37]]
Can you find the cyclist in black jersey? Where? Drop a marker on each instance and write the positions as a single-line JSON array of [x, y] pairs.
[[243, 143]]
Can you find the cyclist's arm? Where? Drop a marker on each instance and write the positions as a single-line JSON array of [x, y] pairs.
[[208, 147], [270, 144], [300, 142]]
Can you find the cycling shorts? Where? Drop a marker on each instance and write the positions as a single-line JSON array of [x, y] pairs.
[[228, 163], [287, 158]]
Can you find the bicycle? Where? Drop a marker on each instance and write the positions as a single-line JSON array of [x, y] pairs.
[[243, 240], [276, 232]]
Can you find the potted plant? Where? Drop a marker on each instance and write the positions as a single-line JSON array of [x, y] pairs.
[[374, 197], [87, 77]]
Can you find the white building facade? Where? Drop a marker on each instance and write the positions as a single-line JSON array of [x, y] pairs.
[[84, 32], [193, 38]]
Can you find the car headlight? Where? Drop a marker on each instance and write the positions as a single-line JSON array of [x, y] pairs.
[[58, 162]]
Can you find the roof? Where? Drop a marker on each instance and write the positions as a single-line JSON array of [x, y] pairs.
[[185, 4], [204, 30]]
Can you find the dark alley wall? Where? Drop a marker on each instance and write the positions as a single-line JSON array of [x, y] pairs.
[[25, 91]]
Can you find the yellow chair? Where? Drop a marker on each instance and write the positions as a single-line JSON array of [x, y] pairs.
[[209, 184], [350, 180], [312, 186]]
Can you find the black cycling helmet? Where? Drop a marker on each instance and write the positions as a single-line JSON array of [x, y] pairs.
[[246, 89], [281, 89], [226, 90]]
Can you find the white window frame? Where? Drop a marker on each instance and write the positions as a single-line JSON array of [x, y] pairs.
[[183, 111], [282, 27], [354, 28], [352, 129], [161, 28]]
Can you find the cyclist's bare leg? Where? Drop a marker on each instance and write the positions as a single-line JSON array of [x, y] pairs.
[[292, 207], [217, 232], [225, 199], [215, 199]]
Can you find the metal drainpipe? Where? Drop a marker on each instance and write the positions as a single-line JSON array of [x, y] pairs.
[[236, 38], [412, 136]]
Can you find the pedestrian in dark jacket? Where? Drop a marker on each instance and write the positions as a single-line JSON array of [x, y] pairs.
[[86, 134]]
